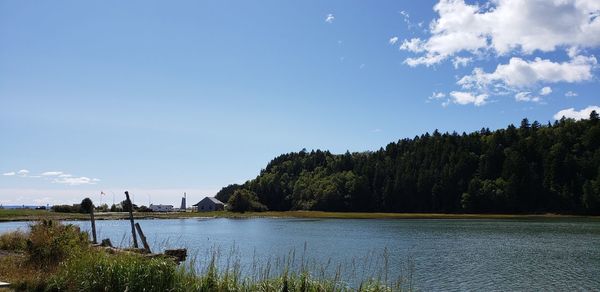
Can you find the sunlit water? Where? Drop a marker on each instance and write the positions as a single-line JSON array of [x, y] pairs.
[[486, 255]]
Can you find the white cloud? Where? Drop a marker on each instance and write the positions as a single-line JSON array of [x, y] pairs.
[[464, 98], [9, 173], [23, 172], [437, 95], [52, 173], [519, 73], [504, 26], [414, 45], [461, 61], [76, 181], [393, 40], [329, 18], [526, 96], [570, 94], [545, 90], [571, 113]]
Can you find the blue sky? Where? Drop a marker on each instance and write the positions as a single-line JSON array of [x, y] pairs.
[[166, 97]]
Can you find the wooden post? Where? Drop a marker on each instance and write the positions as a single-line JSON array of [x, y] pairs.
[[135, 243], [94, 241], [142, 237]]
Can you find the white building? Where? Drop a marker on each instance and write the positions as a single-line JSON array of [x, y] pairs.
[[161, 208]]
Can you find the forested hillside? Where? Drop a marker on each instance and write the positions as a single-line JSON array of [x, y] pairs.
[[527, 169]]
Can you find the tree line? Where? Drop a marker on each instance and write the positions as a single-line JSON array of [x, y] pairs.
[[532, 168]]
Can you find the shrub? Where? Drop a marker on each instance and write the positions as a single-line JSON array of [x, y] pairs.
[[64, 209], [99, 271], [245, 200], [13, 241], [51, 242]]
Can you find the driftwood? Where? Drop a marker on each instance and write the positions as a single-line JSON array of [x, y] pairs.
[[142, 237], [106, 242], [180, 254], [176, 255]]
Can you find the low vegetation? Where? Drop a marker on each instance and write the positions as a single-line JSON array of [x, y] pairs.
[[58, 257]]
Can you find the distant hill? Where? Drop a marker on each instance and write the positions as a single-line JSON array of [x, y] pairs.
[[532, 168]]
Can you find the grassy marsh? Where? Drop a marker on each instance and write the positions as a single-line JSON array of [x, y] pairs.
[[58, 257]]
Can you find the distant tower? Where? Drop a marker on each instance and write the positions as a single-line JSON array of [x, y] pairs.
[[183, 205]]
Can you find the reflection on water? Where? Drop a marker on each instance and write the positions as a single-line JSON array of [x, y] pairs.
[[441, 254]]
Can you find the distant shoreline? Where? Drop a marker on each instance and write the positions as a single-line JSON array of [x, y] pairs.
[[32, 215]]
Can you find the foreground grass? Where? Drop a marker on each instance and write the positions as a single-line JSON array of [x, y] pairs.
[[57, 257], [32, 215]]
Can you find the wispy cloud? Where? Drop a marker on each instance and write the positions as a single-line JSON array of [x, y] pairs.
[[58, 177], [393, 40], [329, 18], [437, 95], [571, 94], [76, 181], [526, 96], [461, 61], [52, 173]]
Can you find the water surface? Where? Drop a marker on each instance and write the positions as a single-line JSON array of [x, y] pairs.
[[463, 254]]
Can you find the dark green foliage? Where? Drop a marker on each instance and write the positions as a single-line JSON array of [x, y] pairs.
[[126, 205], [116, 208], [87, 205], [245, 200], [76, 208], [225, 193], [144, 209], [532, 168]]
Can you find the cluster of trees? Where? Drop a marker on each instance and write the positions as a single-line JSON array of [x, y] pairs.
[[527, 169], [121, 207]]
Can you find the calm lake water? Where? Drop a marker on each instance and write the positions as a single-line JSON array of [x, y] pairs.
[[487, 255]]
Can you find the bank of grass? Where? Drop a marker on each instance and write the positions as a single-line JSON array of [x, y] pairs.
[[32, 215], [58, 257]]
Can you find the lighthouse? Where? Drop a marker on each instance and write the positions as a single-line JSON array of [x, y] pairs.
[[183, 205]]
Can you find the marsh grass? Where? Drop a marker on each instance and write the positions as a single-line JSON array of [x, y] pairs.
[[15, 241], [58, 257], [99, 271]]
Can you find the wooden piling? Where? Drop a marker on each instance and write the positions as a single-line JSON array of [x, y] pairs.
[[135, 243], [142, 237], [94, 241]]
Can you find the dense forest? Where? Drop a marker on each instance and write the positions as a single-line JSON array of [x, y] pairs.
[[531, 168]]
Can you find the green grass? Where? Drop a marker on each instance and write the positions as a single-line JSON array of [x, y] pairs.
[[99, 271], [58, 257]]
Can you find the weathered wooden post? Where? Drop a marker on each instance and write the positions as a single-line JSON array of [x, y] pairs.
[[93, 226], [135, 243], [88, 206], [142, 237]]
